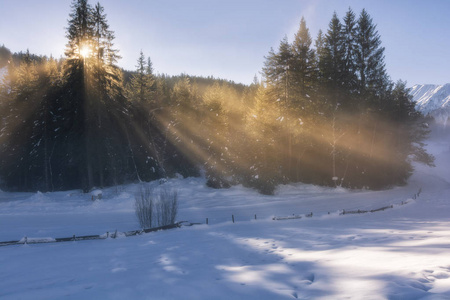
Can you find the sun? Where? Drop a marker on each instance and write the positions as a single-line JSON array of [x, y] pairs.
[[85, 51]]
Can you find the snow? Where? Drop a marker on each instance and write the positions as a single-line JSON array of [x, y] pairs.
[[433, 99], [398, 253]]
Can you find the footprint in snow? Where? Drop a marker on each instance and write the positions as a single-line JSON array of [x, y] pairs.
[[441, 275], [309, 278]]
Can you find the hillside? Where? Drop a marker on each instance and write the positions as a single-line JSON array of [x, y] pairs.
[[433, 100]]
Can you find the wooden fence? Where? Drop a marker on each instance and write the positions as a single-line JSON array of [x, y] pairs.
[[348, 212], [107, 235]]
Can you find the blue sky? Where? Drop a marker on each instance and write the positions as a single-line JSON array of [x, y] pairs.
[[229, 39]]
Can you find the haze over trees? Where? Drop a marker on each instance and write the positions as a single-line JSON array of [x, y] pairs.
[[325, 112]]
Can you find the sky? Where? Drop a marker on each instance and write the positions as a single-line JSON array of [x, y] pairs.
[[229, 39]]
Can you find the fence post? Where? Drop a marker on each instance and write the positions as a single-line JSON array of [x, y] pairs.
[[206, 221], [255, 216], [232, 218]]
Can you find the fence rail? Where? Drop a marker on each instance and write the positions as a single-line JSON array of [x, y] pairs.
[[287, 218], [105, 236], [349, 212]]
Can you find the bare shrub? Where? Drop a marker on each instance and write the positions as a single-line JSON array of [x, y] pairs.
[[159, 208], [167, 207], [144, 206]]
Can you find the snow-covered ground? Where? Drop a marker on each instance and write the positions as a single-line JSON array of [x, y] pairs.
[[399, 253]]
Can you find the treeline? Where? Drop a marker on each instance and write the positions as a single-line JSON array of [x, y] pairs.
[[326, 114], [330, 115], [68, 124]]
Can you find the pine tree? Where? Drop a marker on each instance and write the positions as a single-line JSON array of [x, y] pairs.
[[276, 72], [43, 132], [303, 65], [333, 59], [138, 83], [262, 150], [369, 56], [320, 57], [151, 83], [281, 87], [79, 32], [18, 123], [349, 35], [214, 129], [141, 88], [94, 99], [411, 126]]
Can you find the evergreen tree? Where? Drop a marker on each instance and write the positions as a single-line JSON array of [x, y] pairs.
[[303, 66], [18, 123], [281, 89], [94, 101], [262, 151], [333, 60], [411, 123], [138, 85], [29, 124], [214, 129], [349, 35], [151, 83], [79, 32], [369, 56], [320, 57], [142, 84], [276, 71]]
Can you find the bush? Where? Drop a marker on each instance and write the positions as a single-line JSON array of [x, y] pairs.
[[166, 207], [144, 207], [217, 183], [159, 208]]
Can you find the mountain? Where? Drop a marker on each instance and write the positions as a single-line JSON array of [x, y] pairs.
[[433, 100]]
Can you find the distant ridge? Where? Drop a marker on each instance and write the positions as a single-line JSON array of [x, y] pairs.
[[433, 100]]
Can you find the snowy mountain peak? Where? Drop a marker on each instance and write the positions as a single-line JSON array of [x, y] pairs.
[[433, 99]]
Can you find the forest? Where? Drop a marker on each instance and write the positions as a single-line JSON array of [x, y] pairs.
[[325, 112]]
